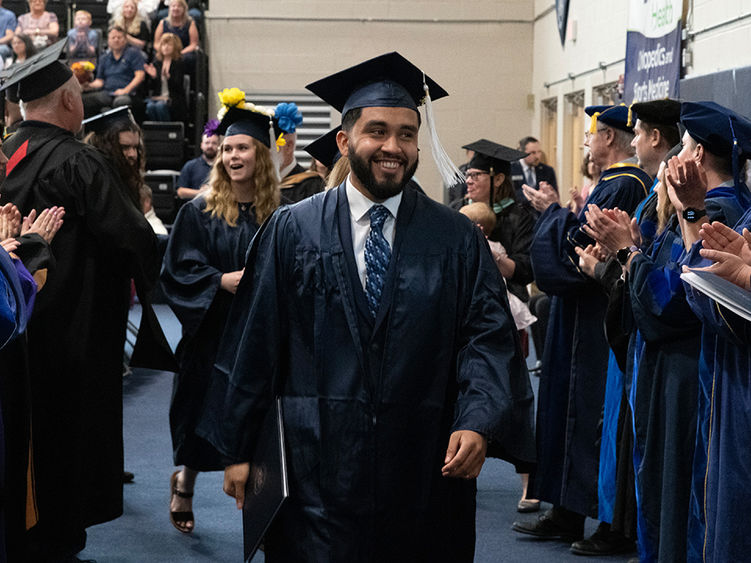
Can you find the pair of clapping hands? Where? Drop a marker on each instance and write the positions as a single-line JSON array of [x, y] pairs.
[[12, 225]]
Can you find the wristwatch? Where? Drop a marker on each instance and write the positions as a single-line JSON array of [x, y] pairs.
[[692, 215], [623, 254]]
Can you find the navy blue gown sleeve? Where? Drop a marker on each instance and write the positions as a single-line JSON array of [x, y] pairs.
[[189, 280]]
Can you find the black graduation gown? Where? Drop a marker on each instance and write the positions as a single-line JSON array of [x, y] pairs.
[[301, 186], [572, 382], [368, 406], [77, 332], [201, 248]]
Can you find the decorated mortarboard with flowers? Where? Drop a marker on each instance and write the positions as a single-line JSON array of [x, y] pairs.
[[492, 157], [656, 112], [390, 81], [722, 132], [100, 123], [614, 116], [37, 76], [238, 117], [209, 130], [324, 149]]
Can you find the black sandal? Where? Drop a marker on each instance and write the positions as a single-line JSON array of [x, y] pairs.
[[180, 519]]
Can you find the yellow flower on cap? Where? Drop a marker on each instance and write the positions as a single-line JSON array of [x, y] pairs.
[[232, 97]]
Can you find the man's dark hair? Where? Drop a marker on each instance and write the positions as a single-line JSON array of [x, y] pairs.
[[350, 118], [669, 133], [116, 28], [108, 143], [525, 141]]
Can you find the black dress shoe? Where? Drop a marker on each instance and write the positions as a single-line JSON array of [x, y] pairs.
[[547, 527], [603, 542]]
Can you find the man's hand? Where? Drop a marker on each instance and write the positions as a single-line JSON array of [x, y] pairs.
[[121, 92], [465, 454], [543, 198], [611, 228], [231, 280], [717, 236], [588, 259], [686, 183], [728, 266], [235, 478]]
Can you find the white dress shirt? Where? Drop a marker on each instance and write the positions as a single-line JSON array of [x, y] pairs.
[[359, 205]]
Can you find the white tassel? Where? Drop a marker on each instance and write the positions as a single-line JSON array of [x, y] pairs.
[[450, 174]]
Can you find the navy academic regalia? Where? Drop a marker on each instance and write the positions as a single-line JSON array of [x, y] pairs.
[[300, 183], [369, 405], [201, 248], [720, 496], [572, 383]]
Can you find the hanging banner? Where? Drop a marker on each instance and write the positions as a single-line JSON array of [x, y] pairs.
[[561, 13], [653, 50]]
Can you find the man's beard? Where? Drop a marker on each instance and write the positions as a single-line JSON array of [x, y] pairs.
[[379, 190], [210, 155]]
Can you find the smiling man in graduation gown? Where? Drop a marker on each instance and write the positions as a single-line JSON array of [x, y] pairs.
[[77, 332], [380, 318]]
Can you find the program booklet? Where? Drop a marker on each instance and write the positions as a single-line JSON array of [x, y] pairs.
[[267, 486], [721, 290]]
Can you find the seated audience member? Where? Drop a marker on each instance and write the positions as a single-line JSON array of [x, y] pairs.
[[193, 9], [22, 48], [118, 75], [38, 24], [297, 183], [83, 41], [146, 8], [195, 172], [8, 26], [181, 24], [134, 23], [530, 170], [165, 82]]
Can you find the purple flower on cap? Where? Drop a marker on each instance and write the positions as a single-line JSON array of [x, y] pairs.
[[210, 128]]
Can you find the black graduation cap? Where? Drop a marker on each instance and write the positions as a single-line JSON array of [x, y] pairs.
[[656, 112], [38, 76], [388, 80], [247, 122], [108, 119], [324, 149], [492, 157]]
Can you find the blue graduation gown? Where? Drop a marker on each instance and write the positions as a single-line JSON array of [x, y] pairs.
[[368, 406], [720, 495], [201, 248], [572, 382]]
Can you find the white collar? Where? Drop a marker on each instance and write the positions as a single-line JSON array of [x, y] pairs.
[[359, 205], [284, 172], [525, 166]]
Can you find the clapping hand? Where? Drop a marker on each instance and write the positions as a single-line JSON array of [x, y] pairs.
[[613, 229], [10, 221], [686, 183], [717, 236], [589, 258], [543, 198], [46, 225]]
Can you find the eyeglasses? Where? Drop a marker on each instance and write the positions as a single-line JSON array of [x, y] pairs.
[[474, 175], [589, 135]]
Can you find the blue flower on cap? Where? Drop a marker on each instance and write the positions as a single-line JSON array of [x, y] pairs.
[[288, 117]]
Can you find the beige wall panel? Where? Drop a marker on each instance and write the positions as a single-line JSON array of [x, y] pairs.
[[488, 89]]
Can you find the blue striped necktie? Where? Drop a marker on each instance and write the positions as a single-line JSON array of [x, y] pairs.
[[377, 256]]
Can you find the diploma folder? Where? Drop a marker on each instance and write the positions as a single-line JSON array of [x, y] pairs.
[[267, 485], [721, 290]]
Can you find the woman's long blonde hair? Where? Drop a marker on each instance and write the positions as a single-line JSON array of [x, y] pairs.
[[221, 201], [134, 28]]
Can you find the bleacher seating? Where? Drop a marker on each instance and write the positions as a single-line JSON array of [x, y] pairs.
[[163, 184], [164, 142]]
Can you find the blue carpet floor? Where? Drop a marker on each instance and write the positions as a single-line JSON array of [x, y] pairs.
[[144, 533]]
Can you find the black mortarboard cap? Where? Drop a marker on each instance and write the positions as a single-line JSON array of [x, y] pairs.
[[246, 122], [324, 149], [38, 76], [490, 156], [108, 119], [615, 116], [389, 80], [656, 112]]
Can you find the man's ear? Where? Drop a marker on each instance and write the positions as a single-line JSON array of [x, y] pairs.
[[699, 154], [342, 141], [655, 138], [66, 99], [609, 136]]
